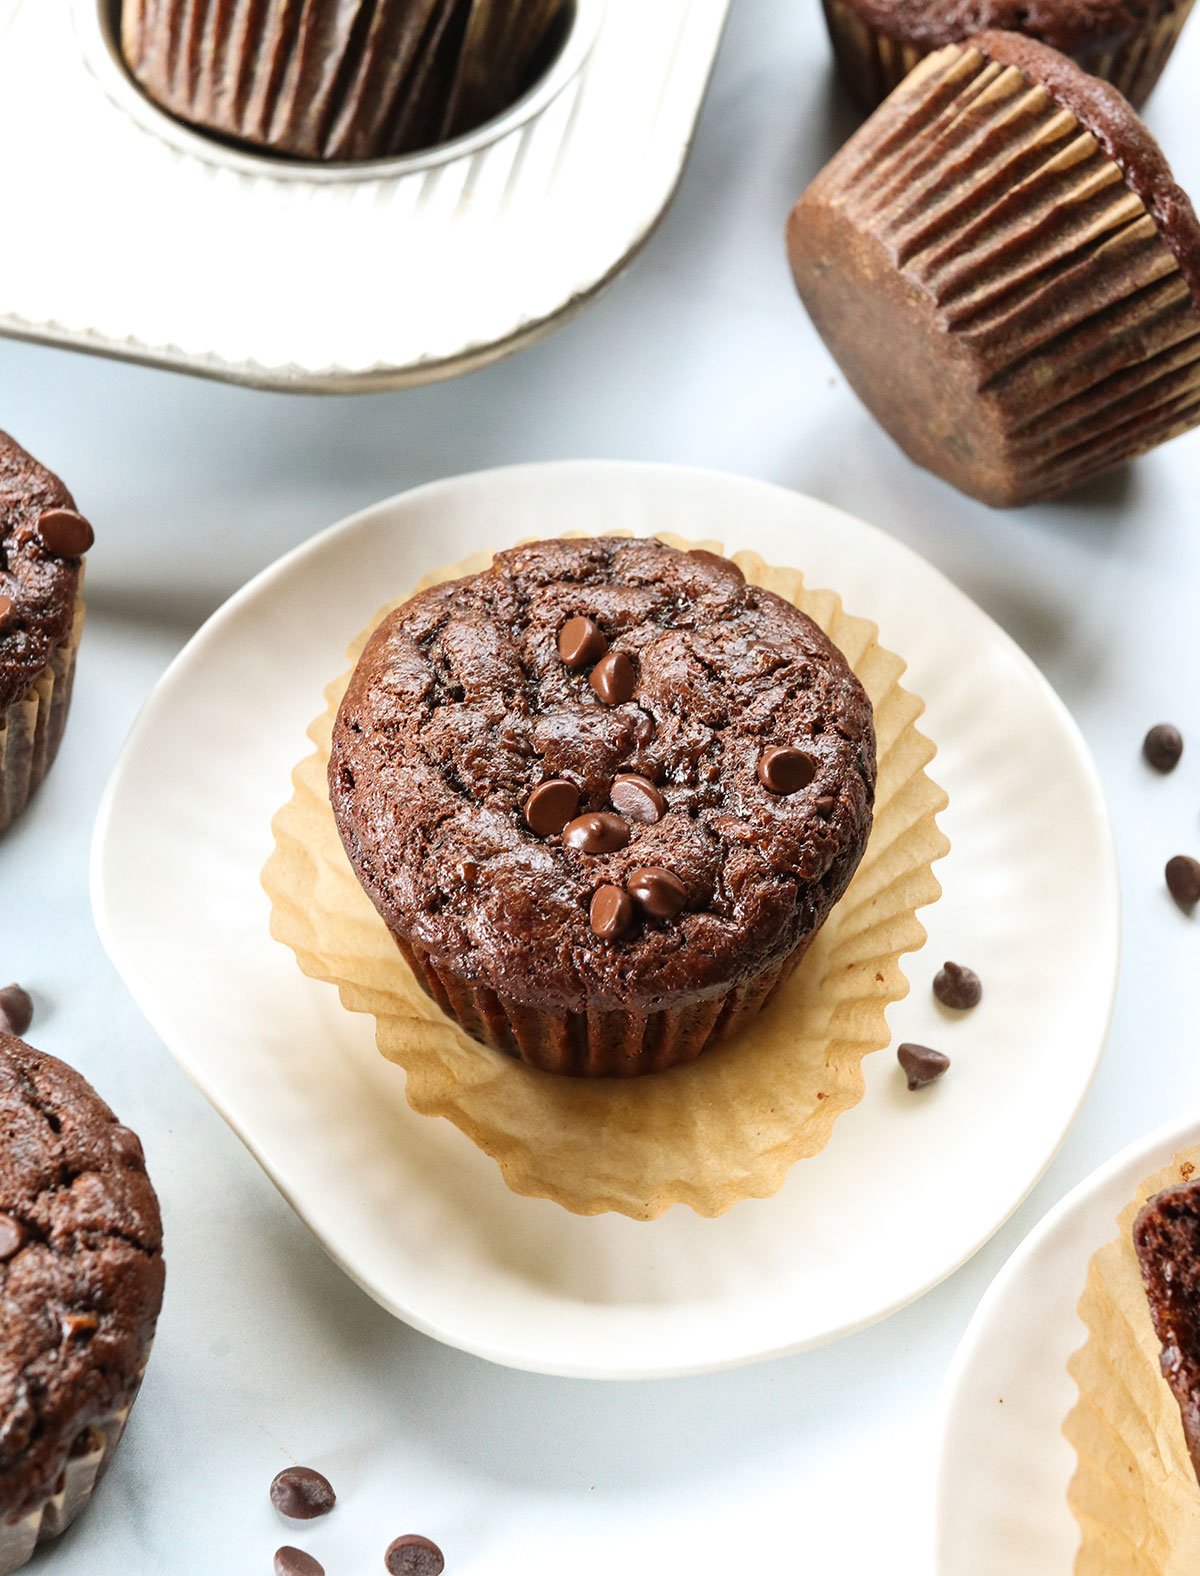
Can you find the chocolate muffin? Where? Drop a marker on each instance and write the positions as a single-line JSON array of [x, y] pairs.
[[1127, 42], [603, 794], [1166, 1236], [339, 79], [42, 540], [81, 1283], [1007, 273]]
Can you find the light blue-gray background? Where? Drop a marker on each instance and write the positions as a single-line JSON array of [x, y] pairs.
[[700, 355]]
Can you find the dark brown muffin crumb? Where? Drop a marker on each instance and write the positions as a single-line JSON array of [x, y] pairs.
[[1166, 1237]]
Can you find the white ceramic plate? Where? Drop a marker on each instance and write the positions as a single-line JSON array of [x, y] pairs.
[[407, 1205], [1005, 1465]]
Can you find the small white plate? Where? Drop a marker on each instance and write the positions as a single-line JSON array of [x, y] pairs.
[[407, 1205], [1005, 1465]]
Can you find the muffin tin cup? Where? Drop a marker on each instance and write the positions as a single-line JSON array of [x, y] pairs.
[[872, 63], [616, 1043], [989, 217], [31, 729], [19, 1539]]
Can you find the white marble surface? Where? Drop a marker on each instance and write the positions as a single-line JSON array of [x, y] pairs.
[[266, 1353]]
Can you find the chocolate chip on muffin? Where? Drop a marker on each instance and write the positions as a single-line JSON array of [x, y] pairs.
[[696, 796]]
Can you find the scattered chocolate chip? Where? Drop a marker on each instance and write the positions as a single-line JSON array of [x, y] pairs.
[[1163, 746], [644, 732], [957, 987], [1183, 880], [12, 1237], [550, 806], [581, 642], [78, 1326], [16, 1009], [294, 1562], [598, 832], [65, 533], [824, 806], [784, 770], [127, 1147], [638, 799], [662, 894], [613, 678], [921, 1065], [301, 1494], [715, 558], [611, 913], [413, 1555], [7, 609]]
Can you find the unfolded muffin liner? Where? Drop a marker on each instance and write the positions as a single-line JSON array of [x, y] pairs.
[[345, 81], [872, 62], [31, 729], [1134, 1493], [85, 1467], [1002, 214], [727, 1126]]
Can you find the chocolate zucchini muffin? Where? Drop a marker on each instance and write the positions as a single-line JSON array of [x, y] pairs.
[[42, 540], [339, 79], [1007, 273], [603, 794], [1127, 42], [1166, 1236], [81, 1283]]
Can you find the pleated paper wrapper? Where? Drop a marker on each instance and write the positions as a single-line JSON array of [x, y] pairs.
[[726, 1127], [1134, 1493]]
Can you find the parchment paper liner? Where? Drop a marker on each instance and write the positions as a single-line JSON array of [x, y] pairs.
[[31, 729], [724, 1128], [1134, 1492]]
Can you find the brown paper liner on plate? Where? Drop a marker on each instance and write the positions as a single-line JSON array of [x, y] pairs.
[[1134, 1493], [726, 1127], [31, 729], [872, 62], [995, 292]]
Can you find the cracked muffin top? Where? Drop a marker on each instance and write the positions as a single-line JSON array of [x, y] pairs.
[[81, 1268], [41, 541], [603, 773], [1074, 26]]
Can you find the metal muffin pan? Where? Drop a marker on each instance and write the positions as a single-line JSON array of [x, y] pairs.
[[174, 250]]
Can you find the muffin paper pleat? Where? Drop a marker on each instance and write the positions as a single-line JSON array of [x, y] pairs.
[[872, 63], [1069, 320], [31, 729], [1134, 1492], [725, 1126]]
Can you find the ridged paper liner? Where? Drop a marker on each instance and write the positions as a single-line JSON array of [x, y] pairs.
[[1134, 1492], [872, 62], [345, 81], [19, 1539], [724, 1128], [31, 729], [995, 292]]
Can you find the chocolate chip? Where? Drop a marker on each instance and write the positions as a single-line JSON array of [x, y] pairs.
[[12, 1237], [16, 1009], [638, 799], [413, 1555], [611, 913], [79, 1326], [1183, 880], [598, 832], [64, 533], [644, 732], [550, 806], [786, 770], [581, 642], [613, 678], [302, 1494], [294, 1562], [662, 894], [705, 556], [7, 609], [921, 1065], [1163, 746], [957, 987]]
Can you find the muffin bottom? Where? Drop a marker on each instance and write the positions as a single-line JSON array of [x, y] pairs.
[[31, 730]]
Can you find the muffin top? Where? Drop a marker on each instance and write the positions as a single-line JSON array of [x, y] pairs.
[[81, 1269], [1166, 1237], [41, 541], [1119, 130], [1076, 26], [603, 773]]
